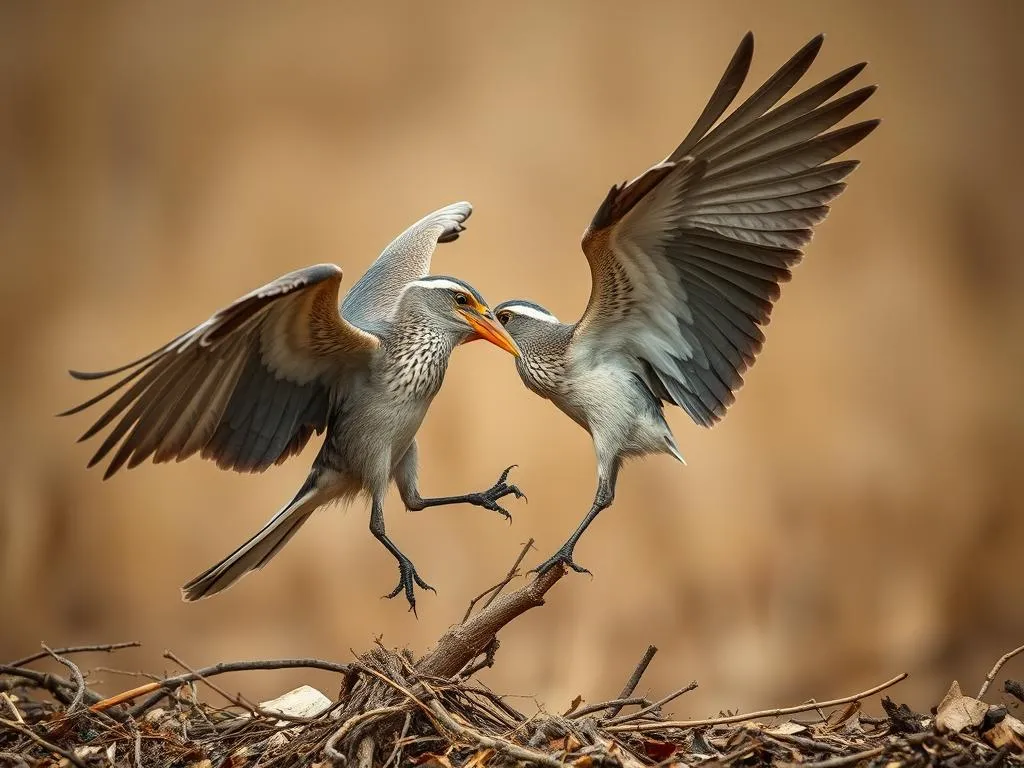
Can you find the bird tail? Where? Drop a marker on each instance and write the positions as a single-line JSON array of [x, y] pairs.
[[672, 448], [257, 551]]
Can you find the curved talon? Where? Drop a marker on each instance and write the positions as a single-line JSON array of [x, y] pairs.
[[564, 557], [408, 580], [489, 498]]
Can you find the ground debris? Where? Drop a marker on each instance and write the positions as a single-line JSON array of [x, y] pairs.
[[389, 715], [392, 710]]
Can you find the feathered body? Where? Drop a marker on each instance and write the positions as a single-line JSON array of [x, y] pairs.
[[686, 261], [250, 386]]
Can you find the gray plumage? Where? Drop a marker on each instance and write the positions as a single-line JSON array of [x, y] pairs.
[[250, 386], [686, 262]]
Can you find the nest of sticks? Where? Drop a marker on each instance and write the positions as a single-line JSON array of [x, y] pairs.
[[393, 710]]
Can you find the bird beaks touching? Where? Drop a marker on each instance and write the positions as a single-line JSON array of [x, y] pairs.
[[487, 328]]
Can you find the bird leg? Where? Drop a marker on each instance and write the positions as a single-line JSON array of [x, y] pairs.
[[408, 579], [487, 499], [603, 500]]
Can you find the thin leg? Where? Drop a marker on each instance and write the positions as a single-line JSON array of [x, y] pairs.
[[407, 576], [405, 478], [602, 500]]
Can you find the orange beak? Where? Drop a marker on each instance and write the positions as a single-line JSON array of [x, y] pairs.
[[486, 327]]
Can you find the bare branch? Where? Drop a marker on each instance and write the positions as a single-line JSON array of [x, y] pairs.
[[995, 669], [755, 715], [634, 679], [496, 589], [464, 642], [653, 707], [105, 647], [76, 674]]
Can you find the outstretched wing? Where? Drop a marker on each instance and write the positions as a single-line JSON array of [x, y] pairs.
[[407, 258], [247, 388], [687, 259]]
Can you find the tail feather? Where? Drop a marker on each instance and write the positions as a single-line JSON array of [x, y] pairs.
[[673, 449], [257, 551]]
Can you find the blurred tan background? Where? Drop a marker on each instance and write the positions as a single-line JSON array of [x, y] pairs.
[[858, 513]]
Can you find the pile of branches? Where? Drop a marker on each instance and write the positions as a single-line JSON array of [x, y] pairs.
[[393, 710]]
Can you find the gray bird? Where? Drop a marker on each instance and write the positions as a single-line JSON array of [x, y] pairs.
[[249, 387], [686, 262]]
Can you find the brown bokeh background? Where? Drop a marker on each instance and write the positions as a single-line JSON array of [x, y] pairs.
[[858, 513]]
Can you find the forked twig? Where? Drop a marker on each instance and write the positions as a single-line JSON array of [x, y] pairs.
[[634, 679], [652, 707], [755, 715], [995, 669], [496, 589], [76, 674]]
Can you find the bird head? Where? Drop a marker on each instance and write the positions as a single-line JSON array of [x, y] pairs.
[[529, 324], [458, 307]]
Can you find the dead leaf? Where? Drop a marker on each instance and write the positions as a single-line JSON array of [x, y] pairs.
[[659, 750], [788, 728], [583, 762], [567, 743], [1008, 732], [840, 716], [957, 712], [572, 707]]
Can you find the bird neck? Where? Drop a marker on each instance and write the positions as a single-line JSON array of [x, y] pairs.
[[417, 357]]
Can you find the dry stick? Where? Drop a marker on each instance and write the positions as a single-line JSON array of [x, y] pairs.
[[995, 670], [507, 748], [169, 655], [634, 679], [464, 642], [330, 749], [496, 589], [592, 708], [167, 684], [53, 683], [398, 742], [755, 715], [69, 756], [856, 757], [76, 673], [105, 647], [13, 707], [652, 707]]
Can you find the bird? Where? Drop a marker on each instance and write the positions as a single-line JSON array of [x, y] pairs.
[[686, 261], [248, 387]]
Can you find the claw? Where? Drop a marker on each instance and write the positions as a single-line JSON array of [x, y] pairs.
[[489, 498], [563, 557], [408, 580]]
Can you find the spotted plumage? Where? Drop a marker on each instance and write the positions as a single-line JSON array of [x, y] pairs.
[[250, 386], [686, 262]]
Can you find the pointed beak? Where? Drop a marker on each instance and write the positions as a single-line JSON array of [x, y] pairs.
[[486, 327]]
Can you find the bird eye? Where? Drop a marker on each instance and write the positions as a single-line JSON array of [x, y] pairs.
[[461, 298], [504, 317]]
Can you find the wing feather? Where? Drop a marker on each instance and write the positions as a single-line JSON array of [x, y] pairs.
[[687, 260], [246, 388], [374, 297]]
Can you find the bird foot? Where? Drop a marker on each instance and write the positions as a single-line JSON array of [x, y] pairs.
[[408, 579], [561, 557], [489, 498]]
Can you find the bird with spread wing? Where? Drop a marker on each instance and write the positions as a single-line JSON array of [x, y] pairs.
[[250, 386], [686, 262]]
